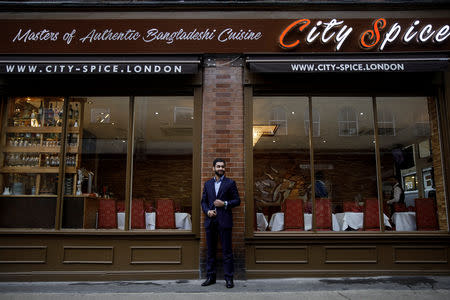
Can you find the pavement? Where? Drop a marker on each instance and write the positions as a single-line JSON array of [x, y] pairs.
[[385, 287]]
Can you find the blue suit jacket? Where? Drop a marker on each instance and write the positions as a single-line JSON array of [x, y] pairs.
[[227, 192]]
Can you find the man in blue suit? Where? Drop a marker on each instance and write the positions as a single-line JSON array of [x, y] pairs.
[[220, 195]]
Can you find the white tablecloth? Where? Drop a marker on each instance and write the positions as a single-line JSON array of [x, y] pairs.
[[182, 221], [261, 222], [277, 222], [354, 220], [404, 221]]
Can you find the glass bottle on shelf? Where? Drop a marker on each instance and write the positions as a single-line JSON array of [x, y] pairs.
[[34, 121], [50, 116], [70, 117], [60, 116], [76, 112], [40, 114]]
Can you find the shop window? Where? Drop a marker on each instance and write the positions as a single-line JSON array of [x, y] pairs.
[[348, 122], [30, 158], [89, 174], [415, 162], [346, 196], [96, 158], [162, 163], [281, 167]]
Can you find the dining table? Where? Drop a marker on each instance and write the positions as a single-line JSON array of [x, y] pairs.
[[261, 222], [404, 221], [182, 221], [277, 222], [355, 220]]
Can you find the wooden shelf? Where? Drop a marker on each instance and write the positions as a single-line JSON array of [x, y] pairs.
[[35, 170], [23, 129], [40, 149]]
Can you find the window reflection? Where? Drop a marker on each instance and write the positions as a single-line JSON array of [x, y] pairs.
[[345, 165], [281, 165], [412, 157], [162, 163], [96, 143]]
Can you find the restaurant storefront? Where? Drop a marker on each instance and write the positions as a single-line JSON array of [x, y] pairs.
[[110, 122]]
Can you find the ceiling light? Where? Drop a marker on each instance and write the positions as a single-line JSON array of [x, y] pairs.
[[156, 113], [260, 130]]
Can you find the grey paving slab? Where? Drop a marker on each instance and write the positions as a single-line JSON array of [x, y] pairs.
[[383, 288]]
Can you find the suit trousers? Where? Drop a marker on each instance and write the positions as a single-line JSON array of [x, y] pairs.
[[224, 234]]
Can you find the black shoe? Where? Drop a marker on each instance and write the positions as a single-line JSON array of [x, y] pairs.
[[229, 283], [209, 280]]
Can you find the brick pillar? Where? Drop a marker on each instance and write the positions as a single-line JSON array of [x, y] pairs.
[[223, 136]]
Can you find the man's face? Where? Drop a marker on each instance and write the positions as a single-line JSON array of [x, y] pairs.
[[219, 169]]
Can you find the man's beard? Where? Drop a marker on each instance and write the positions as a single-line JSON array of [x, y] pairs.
[[218, 173]]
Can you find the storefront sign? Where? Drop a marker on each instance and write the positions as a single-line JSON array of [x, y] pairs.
[[96, 68], [303, 34], [348, 64]]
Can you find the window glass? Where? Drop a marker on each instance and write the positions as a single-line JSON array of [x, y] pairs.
[[96, 159], [30, 156], [346, 197], [281, 164], [162, 163], [411, 165]]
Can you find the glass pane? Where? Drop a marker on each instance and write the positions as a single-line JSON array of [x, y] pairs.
[[30, 148], [96, 159], [162, 163], [411, 164], [281, 163], [345, 165]]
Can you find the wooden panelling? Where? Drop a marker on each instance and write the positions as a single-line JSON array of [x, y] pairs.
[[155, 255], [23, 254], [88, 255], [281, 255], [351, 255], [420, 255]]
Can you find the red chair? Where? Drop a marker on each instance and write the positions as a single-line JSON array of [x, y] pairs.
[[308, 208], [165, 215], [293, 215], [149, 207], [323, 214], [120, 206], [371, 221], [426, 216], [351, 206], [400, 207], [107, 216], [412, 208], [137, 214]]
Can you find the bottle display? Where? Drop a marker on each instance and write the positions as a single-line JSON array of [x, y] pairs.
[[31, 150]]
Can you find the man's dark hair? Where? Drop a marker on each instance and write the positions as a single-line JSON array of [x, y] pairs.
[[218, 160]]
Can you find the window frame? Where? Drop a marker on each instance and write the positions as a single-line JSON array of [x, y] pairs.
[[195, 93], [250, 215]]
